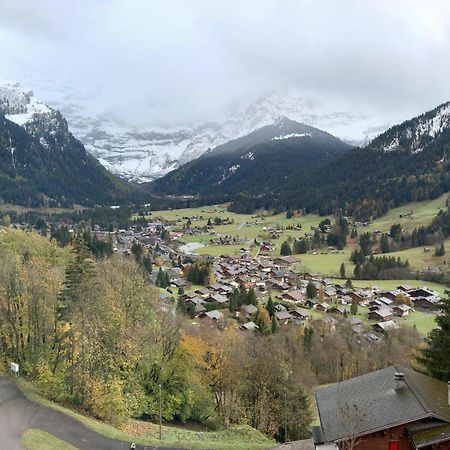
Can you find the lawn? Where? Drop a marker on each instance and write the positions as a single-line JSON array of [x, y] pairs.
[[33, 439], [424, 322], [422, 214], [327, 264], [419, 259], [240, 437]]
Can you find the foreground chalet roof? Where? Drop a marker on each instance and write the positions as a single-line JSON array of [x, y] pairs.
[[375, 402]]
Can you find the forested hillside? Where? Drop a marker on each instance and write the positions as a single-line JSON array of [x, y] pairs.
[[42, 164], [262, 163], [409, 162]]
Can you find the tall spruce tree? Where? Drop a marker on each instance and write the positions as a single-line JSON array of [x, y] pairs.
[[435, 358], [270, 306], [311, 290], [285, 249], [274, 326], [342, 270], [384, 244]]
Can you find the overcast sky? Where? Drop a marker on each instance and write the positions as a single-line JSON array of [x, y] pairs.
[[190, 60]]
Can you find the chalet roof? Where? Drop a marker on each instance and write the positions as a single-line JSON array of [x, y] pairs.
[[383, 312], [215, 315], [218, 298], [373, 402], [354, 320], [288, 259], [385, 300], [196, 299], [296, 295], [300, 312], [283, 315], [425, 436], [386, 326], [402, 307], [249, 309], [250, 326], [340, 309], [199, 308]]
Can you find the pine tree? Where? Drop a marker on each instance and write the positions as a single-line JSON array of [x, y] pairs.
[[311, 290], [354, 308], [285, 249], [251, 297], [435, 358], [274, 326], [148, 263], [242, 294], [384, 244], [357, 272], [137, 251], [181, 290], [349, 284], [181, 306], [270, 307], [160, 279], [440, 251], [342, 270], [166, 280]]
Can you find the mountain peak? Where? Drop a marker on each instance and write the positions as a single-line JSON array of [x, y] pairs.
[[18, 104], [416, 134]]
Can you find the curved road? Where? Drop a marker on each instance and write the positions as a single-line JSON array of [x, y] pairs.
[[17, 413]]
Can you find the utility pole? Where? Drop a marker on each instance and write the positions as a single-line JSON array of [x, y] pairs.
[[285, 417], [160, 413]]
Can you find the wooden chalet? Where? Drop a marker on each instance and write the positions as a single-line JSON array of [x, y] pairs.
[[390, 409]]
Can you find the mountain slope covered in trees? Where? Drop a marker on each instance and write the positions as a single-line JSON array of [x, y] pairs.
[[409, 162], [263, 161], [43, 164]]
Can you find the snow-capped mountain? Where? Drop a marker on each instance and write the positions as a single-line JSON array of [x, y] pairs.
[[41, 163], [20, 105], [265, 160], [148, 152], [417, 134]]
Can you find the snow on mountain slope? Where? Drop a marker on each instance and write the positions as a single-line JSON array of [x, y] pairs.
[[150, 151], [20, 105], [418, 133]]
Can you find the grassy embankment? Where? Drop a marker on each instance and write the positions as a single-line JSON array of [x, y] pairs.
[[33, 439], [236, 437]]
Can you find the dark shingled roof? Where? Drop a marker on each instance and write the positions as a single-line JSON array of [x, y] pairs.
[[371, 402], [430, 436]]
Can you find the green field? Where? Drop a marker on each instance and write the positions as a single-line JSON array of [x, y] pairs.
[[419, 259], [326, 264], [422, 214], [33, 439]]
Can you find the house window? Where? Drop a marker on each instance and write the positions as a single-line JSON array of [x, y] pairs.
[[394, 445]]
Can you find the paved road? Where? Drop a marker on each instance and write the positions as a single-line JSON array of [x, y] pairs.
[[17, 413]]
